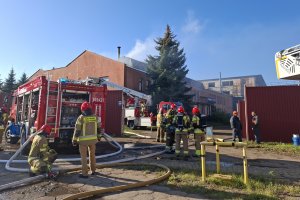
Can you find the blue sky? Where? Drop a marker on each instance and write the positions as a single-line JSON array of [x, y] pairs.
[[230, 36]]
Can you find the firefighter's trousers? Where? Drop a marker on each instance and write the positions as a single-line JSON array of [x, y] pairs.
[[92, 160], [160, 134], [181, 135], [170, 137], [39, 166], [1, 134], [199, 137]]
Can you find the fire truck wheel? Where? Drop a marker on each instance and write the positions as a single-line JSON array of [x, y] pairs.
[[131, 125], [7, 136]]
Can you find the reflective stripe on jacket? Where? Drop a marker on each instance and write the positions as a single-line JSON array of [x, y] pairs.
[[87, 128], [39, 149], [182, 123]]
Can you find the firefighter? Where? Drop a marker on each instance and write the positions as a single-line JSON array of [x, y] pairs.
[[143, 108], [182, 122], [160, 123], [170, 129], [3, 123], [198, 130], [41, 157], [87, 133]]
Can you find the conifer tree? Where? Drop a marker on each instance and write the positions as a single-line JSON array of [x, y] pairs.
[[167, 71], [10, 82], [23, 79]]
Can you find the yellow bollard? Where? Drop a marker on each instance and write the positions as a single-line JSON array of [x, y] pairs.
[[203, 163], [218, 159], [245, 166]]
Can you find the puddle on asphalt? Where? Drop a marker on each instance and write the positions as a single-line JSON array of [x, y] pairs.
[[222, 164]]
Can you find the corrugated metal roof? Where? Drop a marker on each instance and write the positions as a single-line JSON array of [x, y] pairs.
[[135, 64]]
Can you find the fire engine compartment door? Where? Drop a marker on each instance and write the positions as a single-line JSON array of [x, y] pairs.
[[70, 110]]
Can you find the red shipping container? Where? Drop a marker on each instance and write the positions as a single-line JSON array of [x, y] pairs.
[[278, 109], [114, 113]]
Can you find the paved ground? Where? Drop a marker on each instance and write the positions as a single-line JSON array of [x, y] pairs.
[[260, 163]]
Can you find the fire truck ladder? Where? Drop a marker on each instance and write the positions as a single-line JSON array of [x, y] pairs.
[[49, 109], [129, 92]]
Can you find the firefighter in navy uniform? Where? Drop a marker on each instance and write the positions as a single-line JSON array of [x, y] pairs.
[[41, 157], [170, 129], [182, 124], [198, 130], [87, 133]]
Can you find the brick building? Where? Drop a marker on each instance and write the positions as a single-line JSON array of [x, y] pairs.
[[131, 73], [95, 65]]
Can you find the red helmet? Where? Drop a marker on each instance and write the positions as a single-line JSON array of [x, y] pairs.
[[85, 105], [195, 110], [180, 109], [46, 128], [173, 106]]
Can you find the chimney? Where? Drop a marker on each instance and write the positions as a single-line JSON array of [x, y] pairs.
[[119, 52]]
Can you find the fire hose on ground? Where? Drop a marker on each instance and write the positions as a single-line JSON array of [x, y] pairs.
[[99, 165]]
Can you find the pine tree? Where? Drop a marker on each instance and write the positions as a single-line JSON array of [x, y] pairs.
[[10, 82], [23, 79], [1, 83], [167, 71]]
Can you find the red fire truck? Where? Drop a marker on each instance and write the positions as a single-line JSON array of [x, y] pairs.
[[57, 104]]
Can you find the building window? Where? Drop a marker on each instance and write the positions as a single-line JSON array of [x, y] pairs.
[[141, 85], [211, 84], [147, 83], [227, 83]]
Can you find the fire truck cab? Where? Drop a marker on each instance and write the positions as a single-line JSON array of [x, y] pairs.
[[57, 104]]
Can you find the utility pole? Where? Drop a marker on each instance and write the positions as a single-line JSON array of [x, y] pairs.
[[220, 83]]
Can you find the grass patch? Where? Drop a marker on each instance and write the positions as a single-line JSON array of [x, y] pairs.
[[278, 147], [234, 188]]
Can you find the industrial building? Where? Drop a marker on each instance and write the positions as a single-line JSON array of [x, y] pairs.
[[233, 86], [131, 73]]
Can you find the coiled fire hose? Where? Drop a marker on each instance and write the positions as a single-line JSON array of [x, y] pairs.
[[100, 165], [88, 194]]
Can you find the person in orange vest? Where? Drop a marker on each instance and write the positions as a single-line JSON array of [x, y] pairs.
[[87, 133]]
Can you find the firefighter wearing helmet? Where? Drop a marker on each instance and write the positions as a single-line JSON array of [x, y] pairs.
[[182, 124], [170, 128], [87, 133], [3, 123], [41, 157], [198, 130]]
